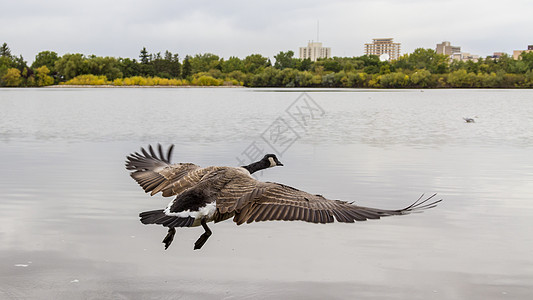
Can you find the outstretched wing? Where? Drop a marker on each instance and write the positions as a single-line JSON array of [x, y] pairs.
[[154, 172], [274, 201]]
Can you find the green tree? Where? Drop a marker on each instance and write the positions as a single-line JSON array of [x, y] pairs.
[[328, 80], [457, 65], [421, 78], [19, 63], [232, 64], [204, 62], [161, 66], [5, 51], [71, 65], [528, 80], [268, 77], [463, 79], [5, 63], [423, 59], [371, 69], [173, 64], [285, 60], [303, 79], [305, 65], [128, 67], [144, 56], [187, 68], [471, 66], [385, 69], [167, 66], [394, 80], [331, 64], [288, 77], [146, 69], [369, 60], [255, 63], [107, 66], [45, 58], [527, 59], [238, 75]]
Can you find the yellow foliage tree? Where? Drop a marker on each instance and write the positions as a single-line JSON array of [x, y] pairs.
[[88, 79], [206, 80], [42, 77], [12, 77]]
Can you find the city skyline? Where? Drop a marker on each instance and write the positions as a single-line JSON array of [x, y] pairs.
[[240, 28]]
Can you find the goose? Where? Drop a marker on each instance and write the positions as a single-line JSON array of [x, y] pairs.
[[217, 193], [469, 120]]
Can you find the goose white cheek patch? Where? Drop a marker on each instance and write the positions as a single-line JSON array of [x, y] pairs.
[[272, 162]]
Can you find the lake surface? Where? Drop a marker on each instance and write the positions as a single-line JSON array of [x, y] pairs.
[[69, 226]]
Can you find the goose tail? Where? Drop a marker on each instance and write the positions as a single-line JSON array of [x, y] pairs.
[[159, 217]]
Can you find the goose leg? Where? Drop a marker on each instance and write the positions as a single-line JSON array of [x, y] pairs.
[[203, 238], [169, 238]]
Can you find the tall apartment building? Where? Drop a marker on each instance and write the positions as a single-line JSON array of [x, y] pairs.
[[383, 46], [314, 51], [447, 49]]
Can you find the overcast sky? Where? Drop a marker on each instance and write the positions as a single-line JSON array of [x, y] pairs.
[[238, 28]]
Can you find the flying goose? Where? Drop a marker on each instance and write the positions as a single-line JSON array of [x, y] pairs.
[[219, 193]]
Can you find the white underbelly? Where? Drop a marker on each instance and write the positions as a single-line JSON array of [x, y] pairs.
[[207, 212]]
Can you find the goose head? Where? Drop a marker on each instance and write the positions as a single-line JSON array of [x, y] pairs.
[[268, 161], [272, 160]]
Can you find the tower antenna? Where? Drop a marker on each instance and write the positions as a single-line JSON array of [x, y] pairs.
[[317, 30]]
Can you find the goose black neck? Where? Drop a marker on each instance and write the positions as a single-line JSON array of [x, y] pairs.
[[256, 166]]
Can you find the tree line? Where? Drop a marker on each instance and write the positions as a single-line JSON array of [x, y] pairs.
[[423, 68]]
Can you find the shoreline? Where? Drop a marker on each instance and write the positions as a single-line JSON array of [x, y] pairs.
[[275, 87], [140, 86]]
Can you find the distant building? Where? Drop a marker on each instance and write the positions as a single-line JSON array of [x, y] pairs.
[[516, 53], [383, 48], [447, 49], [455, 52], [498, 54], [465, 56], [314, 51]]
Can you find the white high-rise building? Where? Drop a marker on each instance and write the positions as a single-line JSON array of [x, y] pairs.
[[314, 51]]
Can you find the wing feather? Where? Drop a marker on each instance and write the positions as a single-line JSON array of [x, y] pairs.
[[263, 211], [291, 210], [154, 173], [185, 179], [273, 201]]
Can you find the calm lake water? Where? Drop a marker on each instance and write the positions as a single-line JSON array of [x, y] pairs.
[[69, 226]]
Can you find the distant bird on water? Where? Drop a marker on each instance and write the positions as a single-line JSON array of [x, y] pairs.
[[219, 193], [469, 120]]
